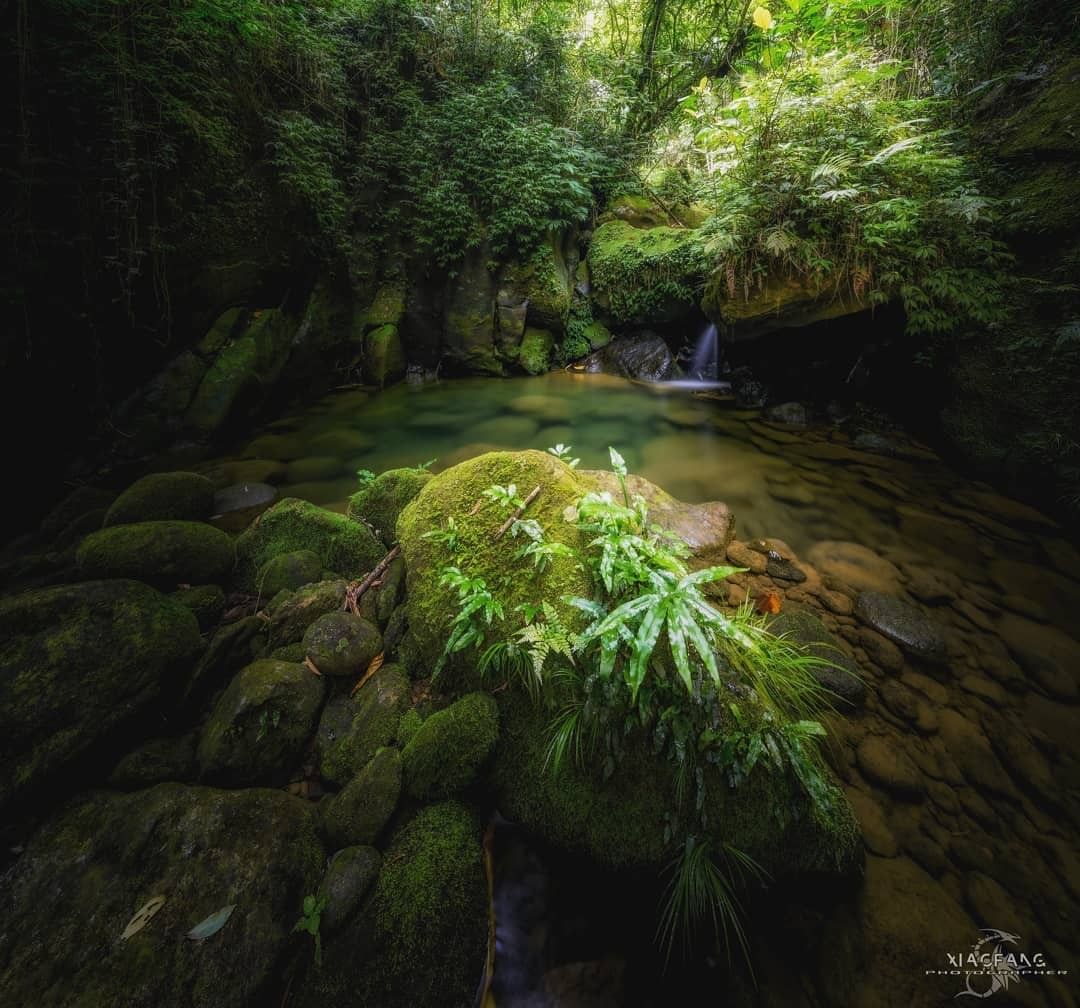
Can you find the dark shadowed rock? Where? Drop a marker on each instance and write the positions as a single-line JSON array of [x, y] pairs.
[[646, 357], [904, 624]]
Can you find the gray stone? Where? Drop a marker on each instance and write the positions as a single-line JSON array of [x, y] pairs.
[[903, 624], [351, 875]]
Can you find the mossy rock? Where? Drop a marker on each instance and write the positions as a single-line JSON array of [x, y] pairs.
[[384, 356], [361, 810], [79, 664], [378, 604], [621, 822], [287, 572], [387, 308], [156, 762], [159, 552], [207, 602], [408, 726], [231, 648], [448, 751], [455, 493], [381, 502], [353, 729], [343, 545], [349, 877], [223, 329], [292, 614], [179, 496], [289, 653], [89, 869], [597, 335], [260, 724], [536, 348], [81, 501], [429, 914], [341, 644]]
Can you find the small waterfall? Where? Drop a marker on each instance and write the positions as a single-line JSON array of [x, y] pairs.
[[705, 365]]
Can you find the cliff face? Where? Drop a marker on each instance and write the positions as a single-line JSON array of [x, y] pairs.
[[1013, 406]]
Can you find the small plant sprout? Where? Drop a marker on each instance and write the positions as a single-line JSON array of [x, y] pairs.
[[448, 536], [364, 477], [562, 453], [505, 496], [310, 921]]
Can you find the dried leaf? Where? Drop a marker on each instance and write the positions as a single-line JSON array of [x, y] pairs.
[[769, 602], [142, 916], [373, 667], [312, 667], [212, 925]]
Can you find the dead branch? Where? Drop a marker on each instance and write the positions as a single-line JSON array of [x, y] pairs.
[[517, 514]]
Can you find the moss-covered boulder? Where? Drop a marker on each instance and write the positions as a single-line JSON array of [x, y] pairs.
[[622, 821], [455, 494], [353, 729], [384, 355], [162, 553], [536, 348], [207, 602], [341, 644], [67, 900], [429, 915], [349, 877], [80, 667], [292, 614], [155, 762], [287, 572], [360, 811], [383, 499], [231, 648], [343, 545], [180, 496], [260, 724], [448, 751]]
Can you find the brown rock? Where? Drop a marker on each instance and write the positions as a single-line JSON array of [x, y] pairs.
[[854, 565], [888, 766], [742, 556], [875, 830], [882, 651]]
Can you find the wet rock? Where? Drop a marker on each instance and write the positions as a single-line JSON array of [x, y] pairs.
[[155, 762], [781, 569], [360, 811], [87, 871], [926, 853], [888, 766], [448, 751], [645, 357], [382, 500], [742, 556], [905, 625], [854, 565], [259, 726], [971, 751], [353, 729], [749, 392], [162, 553], [348, 879], [231, 648], [341, 644], [343, 545], [180, 496], [841, 676], [377, 604], [880, 650], [79, 666], [877, 836], [207, 602], [293, 615], [287, 572], [899, 700], [793, 414]]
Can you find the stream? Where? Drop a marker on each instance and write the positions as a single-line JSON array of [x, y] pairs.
[[972, 824]]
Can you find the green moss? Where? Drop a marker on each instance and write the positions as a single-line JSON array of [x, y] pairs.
[[259, 726], [369, 722], [645, 275], [289, 653], [536, 348], [287, 572], [470, 335], [597, 335], [388, 307], [77, 662], [341, 644], [430, 914], [1048, 123], [158, 552], [207, 602], [358, 814], [384, 356], [227, 382], [408, 726], [456, 493], [448, 751], [383, 499], [342, 545], [219, 334], [291, 616]]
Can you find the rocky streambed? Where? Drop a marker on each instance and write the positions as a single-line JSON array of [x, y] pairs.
[[211, 711]]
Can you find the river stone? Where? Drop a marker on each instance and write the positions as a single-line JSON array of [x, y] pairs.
[[970, 750], [360, 811], [155, 762], [841, 676], [80, 665], [341, 644], [259, 726], [792, 414], [1049, 657], [348, 879], [877, 836], [163, 553], [293, 614], [854, 565], [903, 624], [287, 572], [353, 729], [67, 899], [646, 358], [888, 766], [180, 496]]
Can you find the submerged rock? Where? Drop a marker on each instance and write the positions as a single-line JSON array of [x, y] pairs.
[[343, 545], [237, 505], [158, 552], [841, 677], [855, 566], [903, 624], [448, 751], [67, 900], [78, 665], [258, 728], [179, 496]]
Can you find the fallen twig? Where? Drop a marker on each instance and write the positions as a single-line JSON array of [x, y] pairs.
[[517, 513], [354, 591]]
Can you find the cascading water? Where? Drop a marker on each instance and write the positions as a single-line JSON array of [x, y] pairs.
[[705, 365]]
